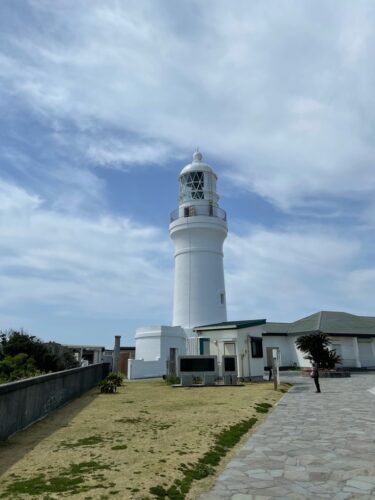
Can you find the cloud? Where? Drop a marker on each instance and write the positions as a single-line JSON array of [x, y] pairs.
[[124, 154], [280, 94], [282, 274], [102, 266]]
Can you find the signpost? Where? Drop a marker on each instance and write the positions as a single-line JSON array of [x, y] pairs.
[[275, 367]]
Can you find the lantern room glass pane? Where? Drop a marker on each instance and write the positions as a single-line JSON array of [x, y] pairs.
[[192, 186]]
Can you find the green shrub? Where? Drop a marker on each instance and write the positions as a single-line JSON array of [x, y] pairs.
[[111, 382], [172, 380]]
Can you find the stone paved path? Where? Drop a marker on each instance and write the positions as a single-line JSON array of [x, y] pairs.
[[312, 446]]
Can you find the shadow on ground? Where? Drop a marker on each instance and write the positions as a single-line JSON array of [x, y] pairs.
[[17, 446]]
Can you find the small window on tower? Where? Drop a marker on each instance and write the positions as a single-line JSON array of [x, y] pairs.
[[222, 298]]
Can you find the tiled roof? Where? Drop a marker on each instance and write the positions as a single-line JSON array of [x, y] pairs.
[[334, 322], [330, 322], [230, 325]]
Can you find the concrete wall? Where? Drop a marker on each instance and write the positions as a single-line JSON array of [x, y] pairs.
[[138, 368], [26, 401], [152, 349]]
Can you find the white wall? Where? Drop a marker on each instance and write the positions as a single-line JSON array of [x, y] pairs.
[[288, 354], [152, 347], [172, 337], [145, 369], [199, 271], [248, 367], [344, 346], [147, 343]]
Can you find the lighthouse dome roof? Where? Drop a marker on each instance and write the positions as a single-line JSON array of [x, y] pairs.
[[197, 165]]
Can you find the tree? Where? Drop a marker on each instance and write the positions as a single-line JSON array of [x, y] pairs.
[[37, 357], [17, 367], [63, 356], [316, 346]]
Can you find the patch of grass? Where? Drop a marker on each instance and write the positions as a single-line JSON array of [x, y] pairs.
[[69, 481], [87, 441], [129, 420], [205, 466], [262, 407], [265, 405], [119, 447]]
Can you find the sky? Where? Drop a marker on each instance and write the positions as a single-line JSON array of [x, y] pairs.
[[102, 103]]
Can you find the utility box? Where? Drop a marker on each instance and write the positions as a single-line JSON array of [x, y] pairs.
[[229, 364]]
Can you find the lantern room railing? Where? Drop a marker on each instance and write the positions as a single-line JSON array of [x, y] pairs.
[[198, 210]]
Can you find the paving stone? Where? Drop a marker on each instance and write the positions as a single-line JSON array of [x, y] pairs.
[[309, 447], [318, 476], [342, 496], [361, 485], [296, 475]]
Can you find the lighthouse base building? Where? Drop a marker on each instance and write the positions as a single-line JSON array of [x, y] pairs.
[[198, 228]]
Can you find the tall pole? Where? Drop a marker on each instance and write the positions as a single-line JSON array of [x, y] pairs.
[[116, 354]]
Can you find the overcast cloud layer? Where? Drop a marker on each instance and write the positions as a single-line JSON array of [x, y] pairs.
[[279, 96]]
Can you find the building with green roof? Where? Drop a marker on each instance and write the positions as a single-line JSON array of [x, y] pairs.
[[352, 337]]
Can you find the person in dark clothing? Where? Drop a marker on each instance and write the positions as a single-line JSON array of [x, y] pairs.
[[315, 375]]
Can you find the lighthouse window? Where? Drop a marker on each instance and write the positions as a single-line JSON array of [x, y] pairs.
[[192, 186]]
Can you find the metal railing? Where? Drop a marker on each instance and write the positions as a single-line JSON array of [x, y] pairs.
[[198, 210]]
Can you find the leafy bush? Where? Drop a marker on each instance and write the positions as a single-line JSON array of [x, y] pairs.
[[37, 357], [172, 380], [111, 382], [17, 367]]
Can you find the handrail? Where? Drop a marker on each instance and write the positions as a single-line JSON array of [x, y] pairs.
[[198, 210]]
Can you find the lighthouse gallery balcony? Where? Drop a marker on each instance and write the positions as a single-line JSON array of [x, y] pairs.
[[198, 210]]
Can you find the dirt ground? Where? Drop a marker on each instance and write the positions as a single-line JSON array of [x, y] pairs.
[[120, 445]]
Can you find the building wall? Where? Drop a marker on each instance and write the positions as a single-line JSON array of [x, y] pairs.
[[344, 346], [147, 343], [26, 401], [288, 355], [366, 348], [248, 367], [152, 349], [138, 369]]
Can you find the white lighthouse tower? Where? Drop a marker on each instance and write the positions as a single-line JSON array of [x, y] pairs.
[[198, 229]]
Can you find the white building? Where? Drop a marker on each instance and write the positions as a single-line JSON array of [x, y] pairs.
[[198, 229], [242, 339], [253, 341], [352, 337]]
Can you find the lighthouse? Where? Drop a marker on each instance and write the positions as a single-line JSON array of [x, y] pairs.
[[198, 228]]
